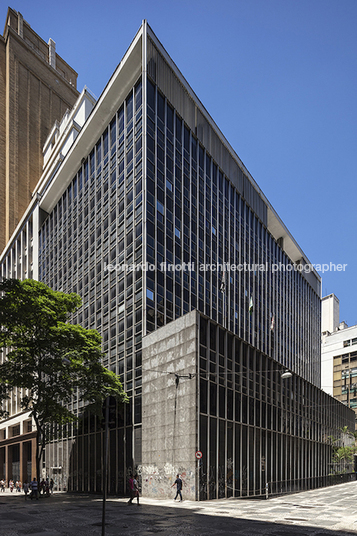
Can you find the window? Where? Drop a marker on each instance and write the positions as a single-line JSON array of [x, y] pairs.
[[150, 294], [15, 430]]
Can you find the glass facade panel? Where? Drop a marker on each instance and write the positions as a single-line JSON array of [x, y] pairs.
[[285, 442]]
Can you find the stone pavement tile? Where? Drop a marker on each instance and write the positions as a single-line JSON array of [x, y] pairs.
[[310, 514]]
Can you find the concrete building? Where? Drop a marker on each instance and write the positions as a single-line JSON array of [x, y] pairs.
[[338, 355], [202, 296], [36, 88]]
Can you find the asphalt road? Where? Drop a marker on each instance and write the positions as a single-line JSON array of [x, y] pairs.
[[328, 511]]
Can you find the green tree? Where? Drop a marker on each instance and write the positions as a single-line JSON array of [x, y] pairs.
[[344, 454], [49, 360]]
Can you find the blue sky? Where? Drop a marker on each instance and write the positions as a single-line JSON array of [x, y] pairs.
[[279, 77]]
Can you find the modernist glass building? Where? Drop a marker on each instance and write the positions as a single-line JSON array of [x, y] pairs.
[[146, 211]]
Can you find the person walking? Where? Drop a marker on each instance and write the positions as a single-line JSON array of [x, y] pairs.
[[131, 489], [26, 489], [178, 483], [136, 488]]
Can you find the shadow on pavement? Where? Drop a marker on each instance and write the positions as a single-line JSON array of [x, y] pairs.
[[69, 515]]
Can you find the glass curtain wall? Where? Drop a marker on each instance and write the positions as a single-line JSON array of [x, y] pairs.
[[98, 222], [255, 427], [196, 218]]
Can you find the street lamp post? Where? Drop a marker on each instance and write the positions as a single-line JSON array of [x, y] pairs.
[[105, 462]]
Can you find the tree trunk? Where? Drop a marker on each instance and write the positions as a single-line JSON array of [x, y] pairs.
[[39, 449], [38, 454]]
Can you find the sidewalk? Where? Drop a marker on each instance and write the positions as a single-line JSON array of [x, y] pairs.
[[329, 511]]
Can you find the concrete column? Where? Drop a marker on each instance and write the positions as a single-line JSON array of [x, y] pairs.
[[2, 462], [8, 463], [20, 24], [35, 245], [52, 53], [21, 462]]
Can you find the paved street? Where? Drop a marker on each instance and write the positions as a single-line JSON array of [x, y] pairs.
[[329, 511]]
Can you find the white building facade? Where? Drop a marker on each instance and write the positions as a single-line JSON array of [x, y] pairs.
[[338, 354]]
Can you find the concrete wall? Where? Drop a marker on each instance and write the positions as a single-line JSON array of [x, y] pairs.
[[169, 430]]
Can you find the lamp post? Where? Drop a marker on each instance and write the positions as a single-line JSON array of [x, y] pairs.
[[105, 462]]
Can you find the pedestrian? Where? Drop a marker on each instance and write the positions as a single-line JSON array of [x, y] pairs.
[[26, 489], [34, 489], [131, 489], [136, 488], [11, 485], [178, 483], [51, 485], [2, 485]]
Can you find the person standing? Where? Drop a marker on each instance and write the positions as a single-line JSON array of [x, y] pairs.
[[178, 483], [34, 489]]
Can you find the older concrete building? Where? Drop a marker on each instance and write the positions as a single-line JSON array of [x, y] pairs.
[[36, 88], [201, 294]]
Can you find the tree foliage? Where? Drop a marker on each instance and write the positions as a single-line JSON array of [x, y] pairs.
[[344, 454], [48, 359]]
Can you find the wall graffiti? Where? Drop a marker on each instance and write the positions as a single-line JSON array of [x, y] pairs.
[[157, 481]]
